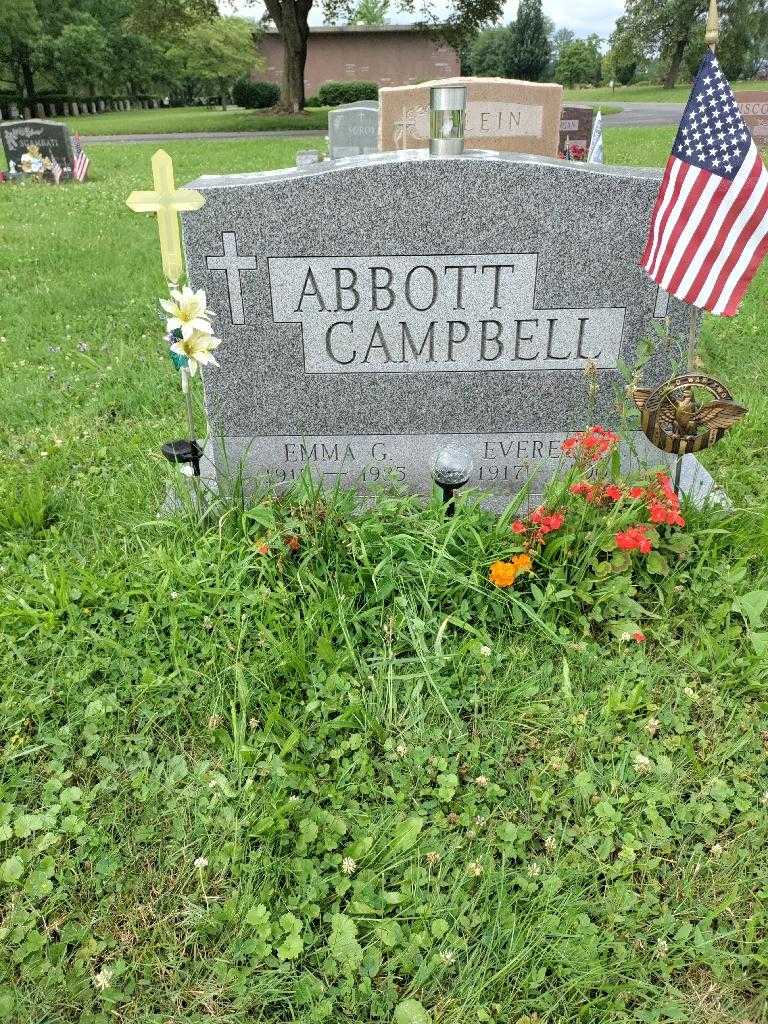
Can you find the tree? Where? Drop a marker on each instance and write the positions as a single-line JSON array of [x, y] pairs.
[[464, 19], [489, 53], [559, 39], [666, 29], [20, 31], [580, 62], [72, 45], [214, 54], [528, 43], [78, 56], [623, 58], [370, 12]]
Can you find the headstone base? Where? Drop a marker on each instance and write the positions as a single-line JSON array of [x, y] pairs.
[[695, 481]]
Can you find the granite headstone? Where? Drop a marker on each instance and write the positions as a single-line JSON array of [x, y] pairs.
[[353, 130], [501, 114], [576, 124], [27, 141], [754, 110], [376, 308]]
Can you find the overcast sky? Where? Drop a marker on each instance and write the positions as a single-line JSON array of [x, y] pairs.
[[581, 16]]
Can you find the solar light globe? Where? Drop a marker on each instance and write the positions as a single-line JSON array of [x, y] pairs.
[[452, 466]]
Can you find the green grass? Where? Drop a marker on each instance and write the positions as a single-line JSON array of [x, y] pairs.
[[169, 693], [199, 119], [196, 119], [648, 93]]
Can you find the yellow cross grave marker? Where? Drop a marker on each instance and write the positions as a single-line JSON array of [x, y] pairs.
[[166, 201]]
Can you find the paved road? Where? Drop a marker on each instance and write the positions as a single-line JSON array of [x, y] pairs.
[[631, 114], [647, 114]]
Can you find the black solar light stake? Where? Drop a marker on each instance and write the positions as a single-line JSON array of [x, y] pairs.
[[451, 468]]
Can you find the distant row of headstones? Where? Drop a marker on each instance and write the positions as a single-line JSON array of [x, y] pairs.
[[13, 112], [501, 114]]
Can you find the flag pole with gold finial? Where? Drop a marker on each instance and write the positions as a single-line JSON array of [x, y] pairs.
[[713, 22], [711, 36]]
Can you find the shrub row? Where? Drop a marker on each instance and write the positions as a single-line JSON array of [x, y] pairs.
[[255, 95], [333, 94], [258, 95]]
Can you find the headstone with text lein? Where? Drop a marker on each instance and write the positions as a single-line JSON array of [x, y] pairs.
[[501, 114]]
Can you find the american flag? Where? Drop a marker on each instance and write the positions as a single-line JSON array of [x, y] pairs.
[[80, 166], [55, 170], [709, 229]]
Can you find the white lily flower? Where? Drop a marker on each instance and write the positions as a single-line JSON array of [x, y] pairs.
[[187, 311], [198, 348]]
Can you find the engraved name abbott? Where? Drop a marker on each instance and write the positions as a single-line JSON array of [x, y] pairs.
[[400, 314]]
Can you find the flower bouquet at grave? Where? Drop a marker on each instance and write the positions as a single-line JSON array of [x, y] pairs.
[[189, 335], [601, 548], [189, 332]]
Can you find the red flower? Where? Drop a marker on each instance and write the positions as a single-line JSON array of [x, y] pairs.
[[656, 512], [590, 445], [546, 522], [638, 637], [519, 526], [293, 543], [637, 492], [582, 489], [613, 491], [263, 549], [665, 482], [634, 539]]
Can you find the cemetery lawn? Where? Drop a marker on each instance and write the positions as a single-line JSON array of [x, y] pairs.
[[196, 119], [200, 119], [352, 783], [644, 93]]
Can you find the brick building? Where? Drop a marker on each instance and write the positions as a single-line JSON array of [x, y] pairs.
[[385, 54]]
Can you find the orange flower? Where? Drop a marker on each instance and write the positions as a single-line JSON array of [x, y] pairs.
[[263, 549], [504, 574]]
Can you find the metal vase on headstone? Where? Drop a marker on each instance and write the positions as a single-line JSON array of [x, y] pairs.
[[447, 106]]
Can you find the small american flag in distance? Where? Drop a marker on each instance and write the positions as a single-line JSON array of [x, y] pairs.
[[709, 229], [80, 166]]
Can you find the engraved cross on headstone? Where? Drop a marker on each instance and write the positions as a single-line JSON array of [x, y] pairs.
[[232, 264]]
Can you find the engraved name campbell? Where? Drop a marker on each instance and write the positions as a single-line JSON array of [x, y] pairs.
[[423, 314]]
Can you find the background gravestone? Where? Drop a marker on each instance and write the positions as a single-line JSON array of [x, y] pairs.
[[50, 137], [502, 114], [353, 130], [754, 110], [576, 127], [359, 335]]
